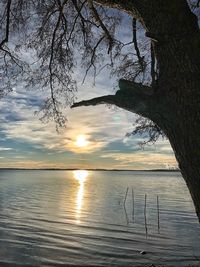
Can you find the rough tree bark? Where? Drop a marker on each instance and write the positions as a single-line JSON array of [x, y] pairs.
[[174, 104]]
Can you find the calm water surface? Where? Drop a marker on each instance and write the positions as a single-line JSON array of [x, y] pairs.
[[66, 218]]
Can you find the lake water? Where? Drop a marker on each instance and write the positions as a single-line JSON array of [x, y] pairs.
[[66, 218]]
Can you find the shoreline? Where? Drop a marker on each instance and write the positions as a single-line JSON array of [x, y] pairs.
[[75, 169]]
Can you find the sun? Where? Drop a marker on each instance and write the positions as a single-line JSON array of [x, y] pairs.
[[80, 175], [81, 141]]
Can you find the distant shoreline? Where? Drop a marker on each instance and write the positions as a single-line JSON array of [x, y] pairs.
[[74, 169]]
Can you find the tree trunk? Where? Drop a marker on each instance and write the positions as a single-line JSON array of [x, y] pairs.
[[174, 104], [181, 124], [185, 143], [178, 56]]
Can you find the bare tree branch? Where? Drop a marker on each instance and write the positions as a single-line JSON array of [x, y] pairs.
[[140, 58], [153, 72], [98, 19], [51, 59], [92, 58], [5, 40], [150, 131], [108, 99], [132, 96]]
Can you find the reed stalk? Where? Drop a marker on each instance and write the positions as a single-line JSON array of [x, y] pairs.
[[126, 196], [158, 213], [145, 214], [133, 202]]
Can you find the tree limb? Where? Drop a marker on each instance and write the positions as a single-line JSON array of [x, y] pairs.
[[140, 58], [5, 40], [107, 99], [146, 11], [127, 6], [153, 62], [98, 19], [132, 96]]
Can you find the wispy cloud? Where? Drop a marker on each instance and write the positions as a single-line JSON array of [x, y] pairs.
[[104, 127], [150, 160], [5, 148]]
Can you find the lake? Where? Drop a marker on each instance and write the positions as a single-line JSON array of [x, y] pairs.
[[80, 218]]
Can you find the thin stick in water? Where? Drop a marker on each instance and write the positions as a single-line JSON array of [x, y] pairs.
[[158, 214], [126, 196], [126, 215], [133, 202], [145, 214]]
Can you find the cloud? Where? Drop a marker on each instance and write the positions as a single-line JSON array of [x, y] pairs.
[[149, 160], [99, 124], [105, 129], [32, 164], [5, 148]]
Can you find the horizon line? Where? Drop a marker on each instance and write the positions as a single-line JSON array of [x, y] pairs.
[[88, 169]]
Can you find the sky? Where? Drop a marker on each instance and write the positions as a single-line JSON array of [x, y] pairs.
[[26, 142]]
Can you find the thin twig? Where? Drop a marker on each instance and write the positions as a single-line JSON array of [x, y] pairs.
[[133, 202], [140, 58], [52, 55], [98, 19], [126, 215], [153, 73], [92, 58], [126, 196], [158, 215], [145, 214]]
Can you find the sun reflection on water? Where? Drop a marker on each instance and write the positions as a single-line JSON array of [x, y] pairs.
[[80, 176]]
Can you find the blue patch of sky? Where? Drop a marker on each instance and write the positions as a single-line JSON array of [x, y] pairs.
[[120, 146]]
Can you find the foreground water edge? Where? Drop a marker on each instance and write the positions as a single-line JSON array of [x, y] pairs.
[[55, 218]]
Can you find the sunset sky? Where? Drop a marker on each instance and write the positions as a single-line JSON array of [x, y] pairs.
[[26, 142]]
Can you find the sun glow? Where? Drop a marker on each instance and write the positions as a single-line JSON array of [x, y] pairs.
[[80, 176], [81, 141]]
